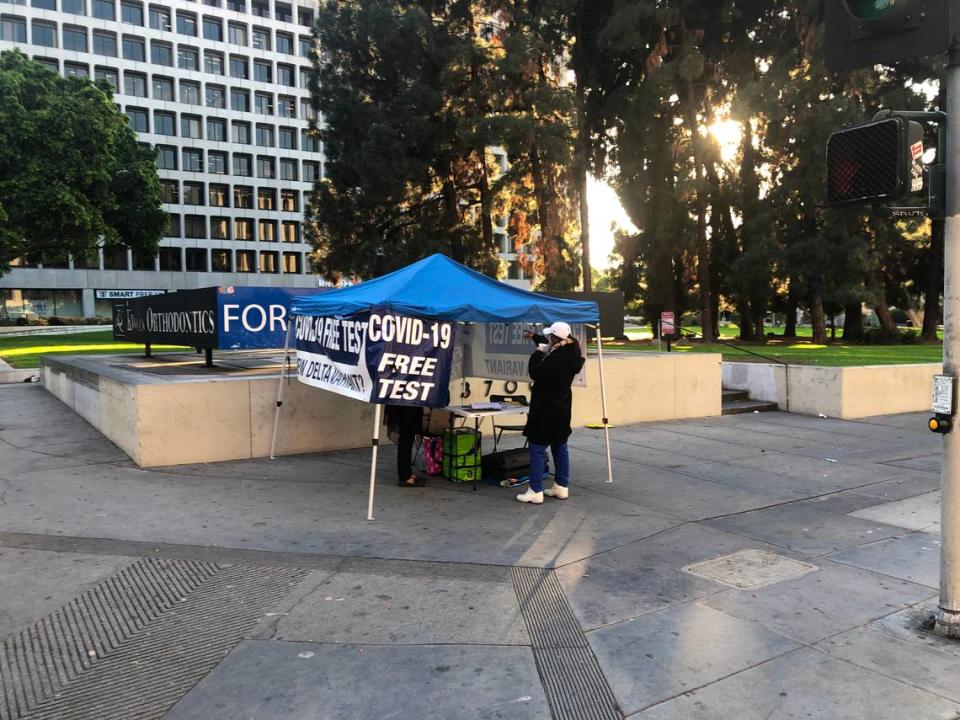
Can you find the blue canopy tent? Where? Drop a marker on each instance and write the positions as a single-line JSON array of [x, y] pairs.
[[439, 288]]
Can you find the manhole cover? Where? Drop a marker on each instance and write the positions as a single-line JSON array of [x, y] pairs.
[[750, 569]]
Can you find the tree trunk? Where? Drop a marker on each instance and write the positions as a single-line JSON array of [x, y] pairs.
[[818, 320], [790, 329], [746, 323], [884, 316], [853, 323], [551, 251], [486, 204], [933, 283], [759, 330], [582, 162], [451, 212]]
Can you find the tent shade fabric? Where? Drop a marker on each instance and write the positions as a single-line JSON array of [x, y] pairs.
[[442, 289]]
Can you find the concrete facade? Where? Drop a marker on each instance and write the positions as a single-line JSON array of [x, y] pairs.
[[842, 392], [174, 420]]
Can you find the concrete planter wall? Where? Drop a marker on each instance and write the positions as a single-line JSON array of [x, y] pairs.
[[841, 392]]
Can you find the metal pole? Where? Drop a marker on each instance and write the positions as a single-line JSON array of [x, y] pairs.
[[603, 407], [378, 409], [283, 375], [659, 335], [948, 613]]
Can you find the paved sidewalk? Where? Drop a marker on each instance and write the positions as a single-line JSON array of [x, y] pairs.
[[256, 589]]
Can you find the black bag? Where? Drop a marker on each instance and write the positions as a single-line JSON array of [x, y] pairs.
[[507, 464]]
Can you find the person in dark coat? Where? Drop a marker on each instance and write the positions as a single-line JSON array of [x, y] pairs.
[[404, 423], [553, 366]]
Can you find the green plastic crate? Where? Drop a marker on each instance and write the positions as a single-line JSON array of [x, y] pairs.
[[462, 455]]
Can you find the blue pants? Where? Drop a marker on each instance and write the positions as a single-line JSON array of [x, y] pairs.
[[538, 457]]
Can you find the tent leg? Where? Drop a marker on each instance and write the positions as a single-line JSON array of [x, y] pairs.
[[378, 409], [283, 375], [603, 406]]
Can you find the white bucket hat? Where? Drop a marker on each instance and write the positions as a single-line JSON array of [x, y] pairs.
[[560, 329]]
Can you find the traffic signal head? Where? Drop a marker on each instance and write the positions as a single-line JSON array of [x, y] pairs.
[[861, 33], [878, 160], [941, 424]]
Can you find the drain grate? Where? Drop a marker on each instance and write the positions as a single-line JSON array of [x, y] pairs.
[[135, 643], [572, 679]]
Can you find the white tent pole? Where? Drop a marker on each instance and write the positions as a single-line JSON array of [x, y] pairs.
[[283, 374], [378, 408], [603, 406]]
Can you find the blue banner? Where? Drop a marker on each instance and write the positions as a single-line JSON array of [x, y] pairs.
[[377, 356], [255, 317]]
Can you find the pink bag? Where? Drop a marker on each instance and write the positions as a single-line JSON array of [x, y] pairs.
[[433, 455]]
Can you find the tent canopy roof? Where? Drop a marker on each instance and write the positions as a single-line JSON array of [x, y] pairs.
[[441, 289]]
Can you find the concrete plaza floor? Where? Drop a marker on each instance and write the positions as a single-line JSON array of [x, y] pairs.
[[257, 589]]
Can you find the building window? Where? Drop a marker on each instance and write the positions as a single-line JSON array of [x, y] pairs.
[[115, 258], [262, 71], [109, 75], [241, 132], [306, 110], [131, 13], [261, 38], [213, 3], [194, 226], [268, 262], [243, 197], [173, 230], [213, 62], [305, 16], [219, 259], [288, 138], [104, 43], [134, 48], [237, 33], [285, 75], [243, 227], [304, 77], [77, 7], [216, 130], [237, 5], [170, 259], [311, 171], [260, 8], [291, 263], [309, 141], [104, 9], [290, 200], [170, 192], [186, 24], [268, 231], [74, 38], [283, 12], [189, 92], [290, 231], [264, 103], [265, 135], [266, 199], [196, 257], [216, 162], [134, 84], [50, 64], [239, 67], [287, 106], [191, 126], [159, 18], [192, 161], [72, 69], [144, 260], [138, 119], [167, 159], [244, 258], [212, 28], [44, 34], [13, 29], [306, 47], [220, 228], [239, 100], [162, 88], [161, 53], [266, 167], [193, 193], [242, 165], [188, 58], [288, 169], [164, 123], [284, 43], [218, 195]]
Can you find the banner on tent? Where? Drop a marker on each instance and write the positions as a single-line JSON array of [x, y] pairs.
[[378, 357], [499, 351]]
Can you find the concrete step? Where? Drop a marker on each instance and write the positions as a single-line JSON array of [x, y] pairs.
[[734, 395], [739, 407]]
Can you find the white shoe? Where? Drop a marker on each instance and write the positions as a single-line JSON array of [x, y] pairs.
[[531, 497], [557, 491]]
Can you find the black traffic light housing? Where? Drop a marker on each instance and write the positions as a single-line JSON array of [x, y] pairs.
[[941, 424], [861, 33], [874, 161]]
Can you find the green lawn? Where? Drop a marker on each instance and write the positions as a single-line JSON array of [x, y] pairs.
[[25, 351], [645, 332], [806, 353]]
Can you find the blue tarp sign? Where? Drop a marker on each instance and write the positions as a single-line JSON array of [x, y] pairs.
[[377, 356], [254, 317]]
